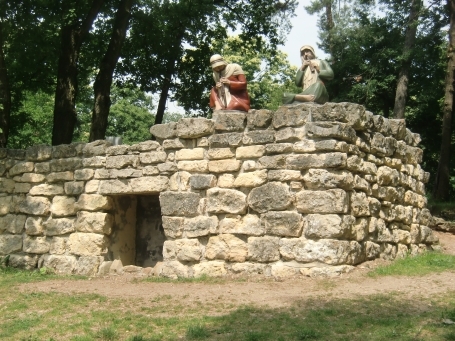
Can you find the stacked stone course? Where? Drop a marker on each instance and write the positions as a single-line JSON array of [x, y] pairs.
[[308, 189]]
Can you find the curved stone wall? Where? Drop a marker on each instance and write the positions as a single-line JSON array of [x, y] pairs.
[[307, 189]]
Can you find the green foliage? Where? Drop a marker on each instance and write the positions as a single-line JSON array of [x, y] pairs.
[[197, 332]]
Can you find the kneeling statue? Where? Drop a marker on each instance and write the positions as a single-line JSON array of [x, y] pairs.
[[311, 76]]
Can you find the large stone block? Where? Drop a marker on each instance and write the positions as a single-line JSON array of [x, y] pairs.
[[229, 120], [60, 264], [62, 165], [5, 205], [273, 196], [283, 224], [284, 175], [47, 190], [64, 151], [173, 269], [221, 200], [34, 226], [324, 179], [306, 161], [10, 243], [12, 223], [117, 186], [164, 131], [360, 205], [339, 131], [250, 152], [60, 176], [259, 118], [56, 227], [94, 222], [199, 226], [264, 249], [58, 245], [122, 161], [188, 250], [212, 269], [329, 201], [38, 153], [202, 181], [249, 224], [272, 162], [144, 146], [190, 154], [251, 179], [27, 262], [93, 202], [226, 247], [95, 148], [38, 245], [383, 146], [153, 157], [223, 166], [290, 116], [198, 166], [195, 127], [7, 185], [74, 187], [63, 206], [352, 114], [225, 140], [179, 204], [173, 226], [258, 137], [87, 244], [278, 148], [220, 153], [35, 205], [328, 226], [21, 167], [88, 265]]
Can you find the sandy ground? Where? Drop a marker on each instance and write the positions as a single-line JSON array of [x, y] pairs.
[[261, 291]]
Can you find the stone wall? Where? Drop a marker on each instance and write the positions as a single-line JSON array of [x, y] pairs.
[[307, 189]]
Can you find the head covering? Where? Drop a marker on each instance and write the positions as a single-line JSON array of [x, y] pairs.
[[217, 60], [307, 47]]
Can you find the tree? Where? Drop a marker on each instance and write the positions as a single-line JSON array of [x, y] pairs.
[[441, 189], [5, 96]]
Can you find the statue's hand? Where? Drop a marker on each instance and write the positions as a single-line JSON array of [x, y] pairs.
[[224, 80], [218, 85]]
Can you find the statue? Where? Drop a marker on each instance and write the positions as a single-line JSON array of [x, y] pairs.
[[229, 92], [311, 76]]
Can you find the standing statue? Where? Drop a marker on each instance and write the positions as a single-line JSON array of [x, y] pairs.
[[229, 92], [311, 76]]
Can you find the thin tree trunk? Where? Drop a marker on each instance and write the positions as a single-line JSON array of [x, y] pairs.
[[72, 36], [442, 181], [330, 26], [403, 77], [5, 96], [103, 82]]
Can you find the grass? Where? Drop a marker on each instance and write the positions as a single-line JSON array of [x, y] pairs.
[[419, 265]]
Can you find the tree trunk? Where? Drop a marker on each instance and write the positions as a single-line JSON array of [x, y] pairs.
[[72, 36], [5, 96], [442, 181], [103, 82], [330, 26], [403, 77]]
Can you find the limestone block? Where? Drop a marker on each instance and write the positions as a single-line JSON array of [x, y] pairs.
[[352, 114], [12, 223], [125, 173], [87, 244], [413, 155], [289, 134], [340, 131], [92, 186], [122, 161], [221, 200], [144, 146], [21, 167], [152, 157], [22, 187], [117, 150], [251, 179], [47, 190], [226, 247], [199, 226], [283, 224], [102, 174], [263, 249], [150, 170], [220, 153], [62, 165], [414, 199], [359, 230], [58, 246], [188, 250], [34, 226], [64, 206], [5, 205], [164, 131], [327, 226], [324, 179], [104, 268], [226, 181], [179, 204], [360, 205], [259, 118], [10, 243], [383, 146], [174, 144], [212, 269], [281, 270], [93, 202], [387, 176], [284, 175], [250, 152], [64, 151], [249, 224], [56, 227], [172, 226], [223, 166], [94, 222], [306, 161], [229, 120], [173, 269], [95, 148], [88, 265], [74, 187], [201, 181], [372, 250], [7, 185], [361, 184], [272, 162], [32, 177], [195, 127], [329, 201], [290, 116], [404, 214], [60, 264], [326, 271], [38, 153], [402, 237], [258, 137], [94, 161], [179, 181], [425, 217], [149, 184], [248, 268], [393, 163], [26, 262], [278, 148], [427, 235], [382, 125], [199, 166], [384, 235], [388, 251], [38, 245], [34, 205], [190, 154], [311, 146], [225, 140], [387, 193], [273, 196]]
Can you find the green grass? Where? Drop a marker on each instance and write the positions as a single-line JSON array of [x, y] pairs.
[[419, 265]]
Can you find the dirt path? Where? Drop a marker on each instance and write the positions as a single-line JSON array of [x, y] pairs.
[[261, 291]]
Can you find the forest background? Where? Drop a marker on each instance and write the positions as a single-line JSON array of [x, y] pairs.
[[80, 70]]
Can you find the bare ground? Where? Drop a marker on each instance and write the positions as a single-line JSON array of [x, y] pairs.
[[260, 291]]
